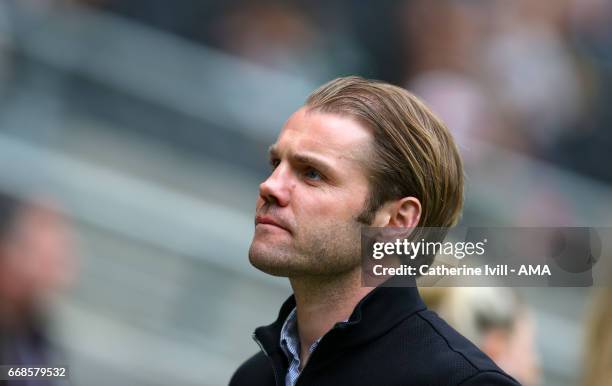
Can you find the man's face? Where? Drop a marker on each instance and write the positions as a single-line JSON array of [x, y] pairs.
[[307, 208], [36, 259]]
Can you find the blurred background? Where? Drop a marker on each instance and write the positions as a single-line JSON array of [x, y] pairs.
[[146, 123]]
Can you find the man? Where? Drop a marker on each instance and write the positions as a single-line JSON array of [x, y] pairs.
[[35, 262], [359, 153]]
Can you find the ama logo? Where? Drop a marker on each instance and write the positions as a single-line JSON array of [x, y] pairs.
[[528, 270]]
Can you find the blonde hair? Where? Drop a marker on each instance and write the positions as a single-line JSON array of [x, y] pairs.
[[474, 311], [598, 354], [414, 152]]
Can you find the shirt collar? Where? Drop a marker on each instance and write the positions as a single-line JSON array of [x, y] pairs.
[[375, 314], [290, 338]]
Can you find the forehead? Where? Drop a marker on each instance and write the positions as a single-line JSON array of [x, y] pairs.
[[325, 134]]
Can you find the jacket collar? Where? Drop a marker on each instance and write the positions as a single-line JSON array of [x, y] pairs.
[[378, 312]]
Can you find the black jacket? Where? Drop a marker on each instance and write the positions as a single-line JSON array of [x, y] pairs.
[[391, 339]]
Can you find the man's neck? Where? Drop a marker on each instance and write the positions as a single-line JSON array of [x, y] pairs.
[[322, 302]]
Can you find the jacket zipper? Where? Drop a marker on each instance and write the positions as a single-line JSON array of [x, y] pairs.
[[267, 356]]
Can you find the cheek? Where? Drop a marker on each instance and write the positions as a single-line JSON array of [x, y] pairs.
[[49, 250], [334, 205], [352, 203]]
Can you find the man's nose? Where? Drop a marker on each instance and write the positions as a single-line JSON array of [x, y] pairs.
[[276, 189]]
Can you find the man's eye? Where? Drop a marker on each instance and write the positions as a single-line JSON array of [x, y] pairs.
[[313, 174]]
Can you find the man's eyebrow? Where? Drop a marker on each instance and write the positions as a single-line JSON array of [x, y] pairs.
[[312, 160], [316, 162]]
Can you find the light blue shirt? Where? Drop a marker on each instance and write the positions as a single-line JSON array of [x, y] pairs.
[[290, 343]]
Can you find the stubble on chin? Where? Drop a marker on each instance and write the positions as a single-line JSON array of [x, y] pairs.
[[330, 251], [273, 260]]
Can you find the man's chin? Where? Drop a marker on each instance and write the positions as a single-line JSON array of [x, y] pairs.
[[272, 262], [267, 264], [284, 261], [275, 270]]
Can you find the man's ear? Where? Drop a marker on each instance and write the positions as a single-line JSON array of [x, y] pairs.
[[405, 213]]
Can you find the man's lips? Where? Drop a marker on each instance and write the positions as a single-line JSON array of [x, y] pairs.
[[269, 221]]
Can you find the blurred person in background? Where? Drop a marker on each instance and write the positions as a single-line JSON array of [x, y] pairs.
[[586, 148], [496, 320], [275, 34], [445, 69], [531, 73], [501, 73], [597, 365], [35, 262], [358, 153]]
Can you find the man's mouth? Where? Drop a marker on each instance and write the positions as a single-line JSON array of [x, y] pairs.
[[269, 221]]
